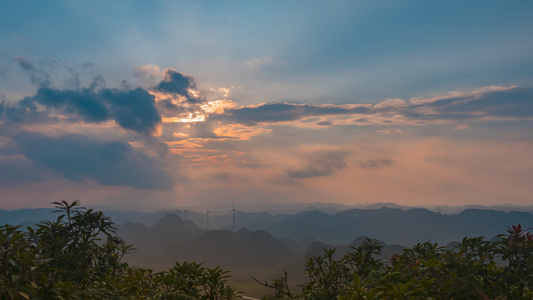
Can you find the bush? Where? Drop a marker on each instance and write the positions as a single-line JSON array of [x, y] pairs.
[[79, 255], [474, 269]]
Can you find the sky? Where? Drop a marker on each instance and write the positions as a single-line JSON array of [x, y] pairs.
[[165, 104]]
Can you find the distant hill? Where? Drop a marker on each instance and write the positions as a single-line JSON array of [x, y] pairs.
[[147, 218], [286, 243], [244, 253], [392, 223], [167, 230], [221, 218], [397, 226], [241, 250], [35, 215], [225, 220], [385, 204], [446, 209]]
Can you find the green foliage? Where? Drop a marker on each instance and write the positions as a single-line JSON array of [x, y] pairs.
[[192, 281], [18, 260], [329, 278], [79, 255], [516, 248], [474, 269]]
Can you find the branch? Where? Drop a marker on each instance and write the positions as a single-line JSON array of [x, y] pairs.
[[284, 290]]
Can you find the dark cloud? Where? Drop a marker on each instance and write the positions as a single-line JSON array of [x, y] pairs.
[[134, 110], [25, 111], [513, 103], [177, 83], [517, 102], [78, 157], [131, 109], [321, 163], [86, 104], [17, 169], [37, 76], [373, 163]]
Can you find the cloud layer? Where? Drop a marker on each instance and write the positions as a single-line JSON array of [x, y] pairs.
[[177, 139], [78, 157], [321, 163], [512, 102]]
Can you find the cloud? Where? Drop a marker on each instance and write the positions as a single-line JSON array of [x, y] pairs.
[[37, 76], [516, 102], [491, 102], [151, 71], [239, 132], [79, 157], [134, 109], [393, 131], [258, 62], [477, 93], [180, 135], [25, 112], [221, 91], [281, 112], [484, 104], [391, 103], [177, 83], [321, 163], [131, 109], [168, 106], [372, 164], [86, 104], [17, 169], [513, 103]]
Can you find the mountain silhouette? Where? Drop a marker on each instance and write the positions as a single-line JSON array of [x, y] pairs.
[[167, 230], [396, 226], [35, 215], [241, 250]]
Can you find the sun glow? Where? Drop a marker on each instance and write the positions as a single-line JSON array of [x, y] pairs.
[[218, 106], [191, 118]]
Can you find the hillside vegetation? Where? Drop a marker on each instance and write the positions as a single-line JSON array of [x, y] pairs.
[[80, 256]]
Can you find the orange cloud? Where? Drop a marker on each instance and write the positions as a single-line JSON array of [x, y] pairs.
[[240, 132]]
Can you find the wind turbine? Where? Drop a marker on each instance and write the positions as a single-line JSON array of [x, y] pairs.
[[207, 217], [185, 211], [233, 211]]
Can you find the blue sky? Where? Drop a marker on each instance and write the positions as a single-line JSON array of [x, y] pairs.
[[312, 95], [312, 50]]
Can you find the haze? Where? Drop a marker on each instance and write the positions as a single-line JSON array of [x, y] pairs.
[[151, 105]]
